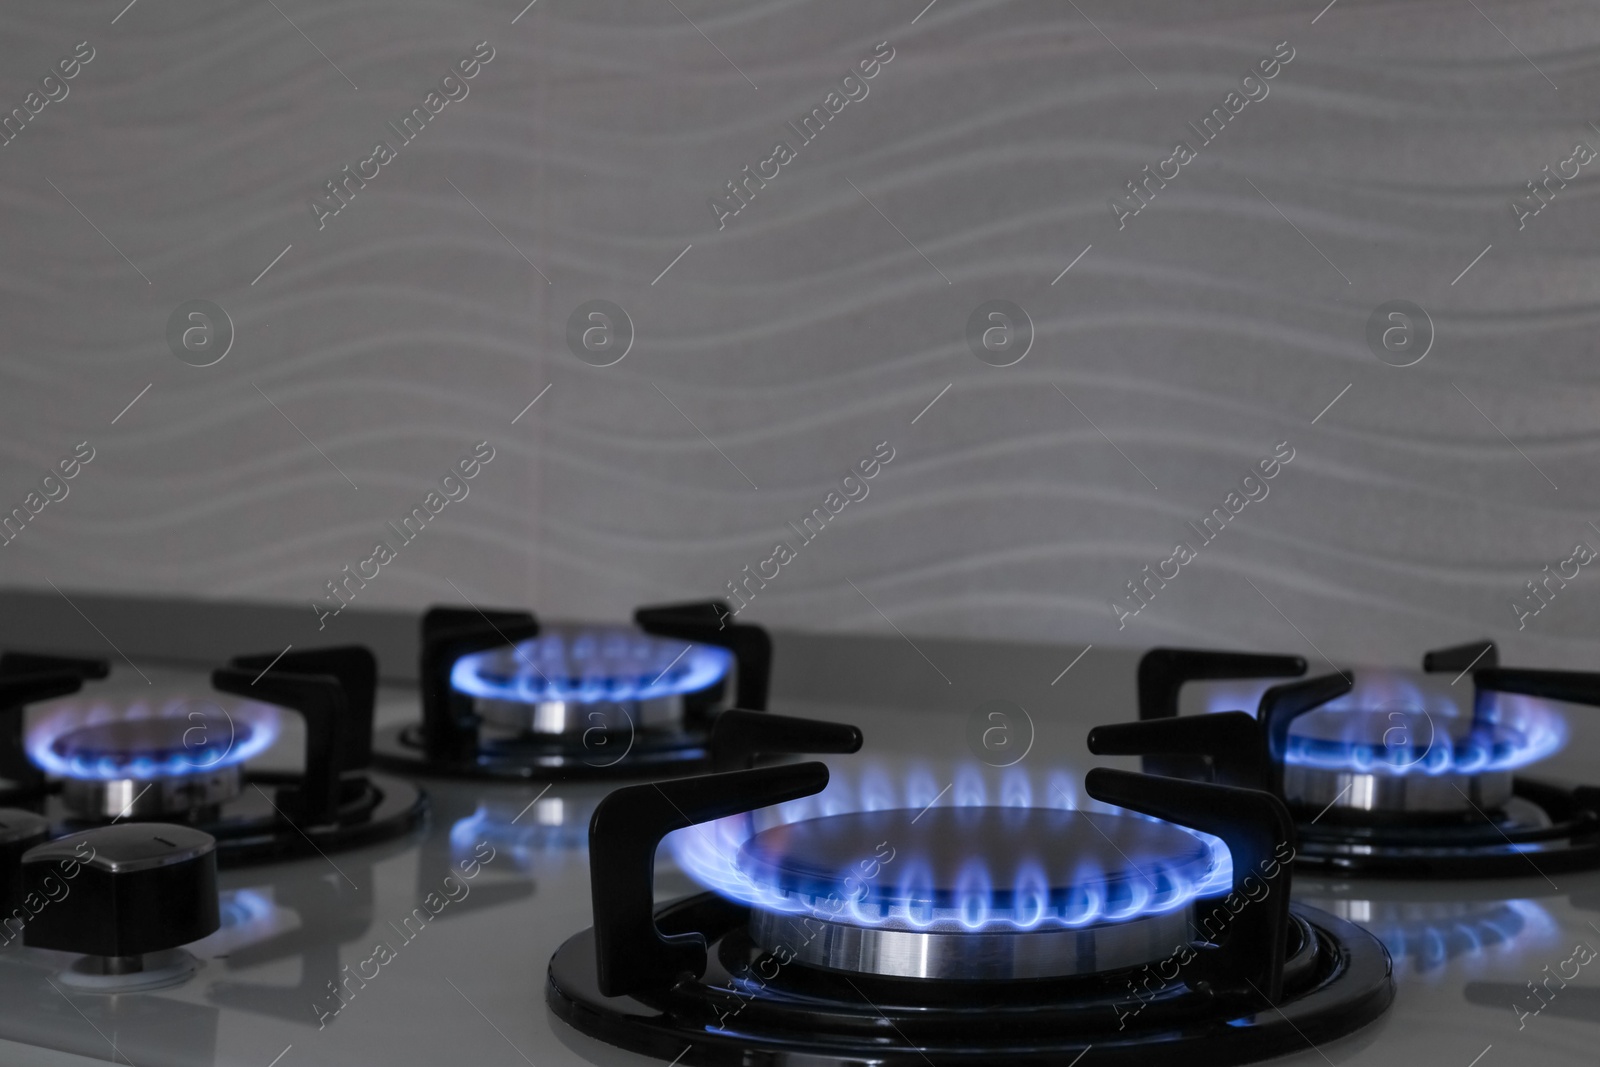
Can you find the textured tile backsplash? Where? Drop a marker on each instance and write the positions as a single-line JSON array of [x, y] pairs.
[[684, 265]]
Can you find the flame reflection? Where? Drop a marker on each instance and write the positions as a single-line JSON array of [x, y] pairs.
[[1427, 938]]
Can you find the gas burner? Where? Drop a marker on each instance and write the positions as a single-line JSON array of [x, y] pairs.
[[182, 758], [504, 699], [930, 879], [1396, 745], [943, 916], [150, 760], [979, 934], [572, 679], [1386, 773]]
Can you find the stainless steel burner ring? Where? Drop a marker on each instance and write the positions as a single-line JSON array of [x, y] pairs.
[[925, 905], [132, 798], [989, 954], [571, 718], [1353, 792]]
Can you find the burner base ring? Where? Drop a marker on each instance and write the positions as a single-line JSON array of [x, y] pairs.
[[1545, 829], [723, 1018], [152, 798], [388, 808], [1355, 795], [1049, 952], [573, 719], [548, 758]]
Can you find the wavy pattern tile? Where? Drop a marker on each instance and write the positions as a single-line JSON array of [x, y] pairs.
[[433, 308]]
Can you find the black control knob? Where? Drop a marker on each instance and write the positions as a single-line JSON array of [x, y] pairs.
[[19, 831], [122, 891]]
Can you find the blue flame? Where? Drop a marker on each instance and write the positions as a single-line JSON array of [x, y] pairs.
[[1394, 723], [590, 665], [181, 736], [1022, 899]]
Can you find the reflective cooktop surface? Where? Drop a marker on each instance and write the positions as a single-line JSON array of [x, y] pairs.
[[448, 934]]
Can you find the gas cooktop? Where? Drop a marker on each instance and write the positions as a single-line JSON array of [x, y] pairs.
[[883, 905]]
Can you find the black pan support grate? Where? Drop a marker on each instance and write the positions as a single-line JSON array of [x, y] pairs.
[[450, 740], [685, 980]]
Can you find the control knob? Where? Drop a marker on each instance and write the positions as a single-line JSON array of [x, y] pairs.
[[124, 896]]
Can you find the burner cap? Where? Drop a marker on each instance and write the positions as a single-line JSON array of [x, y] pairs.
[[144, 748], [1400, 738], [172, 737], [591, 665], [972, 867]]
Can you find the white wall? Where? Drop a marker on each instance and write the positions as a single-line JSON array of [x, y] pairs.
[[808, 330]]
